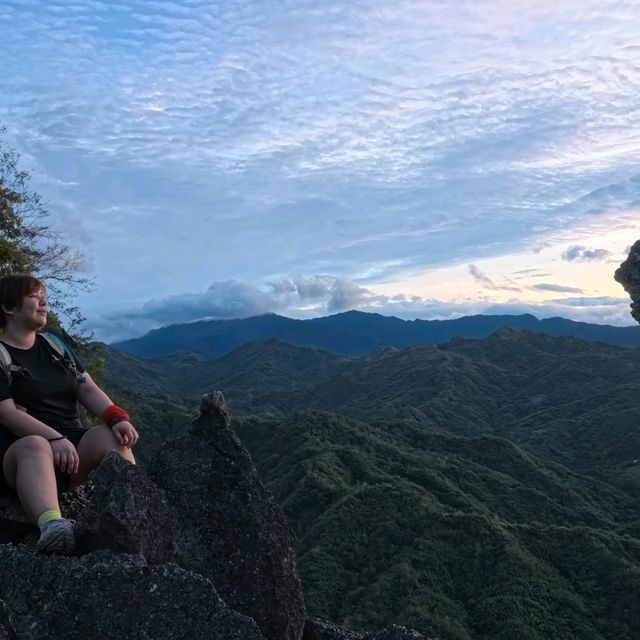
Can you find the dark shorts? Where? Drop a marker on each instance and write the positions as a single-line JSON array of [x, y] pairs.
[[7, 439]]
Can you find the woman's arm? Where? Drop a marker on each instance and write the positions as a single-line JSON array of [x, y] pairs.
[[92, 397], [21, 423], [95, 400]]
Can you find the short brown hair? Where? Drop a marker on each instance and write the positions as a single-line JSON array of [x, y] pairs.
[[13, 289]]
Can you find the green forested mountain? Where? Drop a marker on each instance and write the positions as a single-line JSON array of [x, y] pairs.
[[254, 369], [470, 536], [480, 489]]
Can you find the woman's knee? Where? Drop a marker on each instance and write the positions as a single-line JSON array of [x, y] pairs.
[[26, 450], [31, 446], [97, 442], [97, 439]]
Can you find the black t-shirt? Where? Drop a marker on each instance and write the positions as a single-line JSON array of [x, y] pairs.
[[47, 388]]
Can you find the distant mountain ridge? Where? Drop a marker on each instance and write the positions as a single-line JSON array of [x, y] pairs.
[[355, 332]]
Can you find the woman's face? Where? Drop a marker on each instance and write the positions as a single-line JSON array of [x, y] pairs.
[[34, 309]]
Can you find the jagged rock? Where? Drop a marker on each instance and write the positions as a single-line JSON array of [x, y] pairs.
[[6, 632], [317, 629], [237, 536], [628, 275], [73, 503], [107, 595], [125, 512]]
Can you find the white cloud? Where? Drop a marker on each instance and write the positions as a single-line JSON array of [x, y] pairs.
[[486, 282], [480, 277], [558, 288], [583, 254]]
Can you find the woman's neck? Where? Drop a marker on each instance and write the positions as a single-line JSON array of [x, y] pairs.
[[20, 337]]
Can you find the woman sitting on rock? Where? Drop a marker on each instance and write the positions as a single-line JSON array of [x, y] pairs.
[[40, 430]]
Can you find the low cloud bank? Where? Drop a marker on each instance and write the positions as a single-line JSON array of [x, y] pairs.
[[227, 299], [322, 295]]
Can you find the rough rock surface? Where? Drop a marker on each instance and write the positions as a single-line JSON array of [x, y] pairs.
[[107, 595], [6, 632], [628, 275], [238, 535], [126, 513]]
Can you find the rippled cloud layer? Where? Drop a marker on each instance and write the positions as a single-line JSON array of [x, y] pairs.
[[189, 142]]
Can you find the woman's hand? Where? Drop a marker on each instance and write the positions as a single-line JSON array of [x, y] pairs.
[[125, 433], [65, 456]]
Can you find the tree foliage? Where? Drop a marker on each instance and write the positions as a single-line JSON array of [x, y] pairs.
[[29, 243]]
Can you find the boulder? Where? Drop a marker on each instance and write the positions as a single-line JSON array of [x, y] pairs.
[[233, 531], [628, 275], [108, 595], [125, 512]]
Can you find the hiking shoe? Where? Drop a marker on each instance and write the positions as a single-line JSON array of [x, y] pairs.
[[57, 536]]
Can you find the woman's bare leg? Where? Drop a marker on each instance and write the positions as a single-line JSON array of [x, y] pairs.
[[95, 444], [28, 468]]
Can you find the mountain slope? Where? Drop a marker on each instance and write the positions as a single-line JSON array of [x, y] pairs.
[[467, 536]]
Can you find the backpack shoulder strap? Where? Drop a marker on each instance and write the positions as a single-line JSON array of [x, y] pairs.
[[58, 345], [5, 362]]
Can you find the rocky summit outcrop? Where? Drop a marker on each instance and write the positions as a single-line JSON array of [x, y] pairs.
[[192, 547], [238, 535], [628, 275]]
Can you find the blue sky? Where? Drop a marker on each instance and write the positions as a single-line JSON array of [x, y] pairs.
[[422, 159]]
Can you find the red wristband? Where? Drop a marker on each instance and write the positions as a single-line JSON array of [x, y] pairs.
[[114, 414]]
